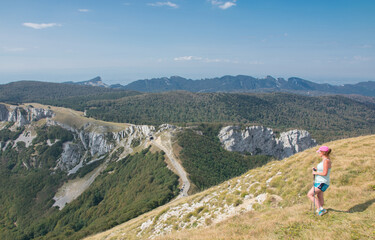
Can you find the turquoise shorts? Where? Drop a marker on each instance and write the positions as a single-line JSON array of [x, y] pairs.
[[321, 186]]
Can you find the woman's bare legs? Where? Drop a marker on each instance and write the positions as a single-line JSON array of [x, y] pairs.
[[317, 200], [321, 198]]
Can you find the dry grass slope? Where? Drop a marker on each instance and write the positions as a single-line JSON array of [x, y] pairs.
[[77, 119], [350, 201]]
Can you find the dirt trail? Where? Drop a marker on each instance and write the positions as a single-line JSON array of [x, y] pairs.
[[166, 146]]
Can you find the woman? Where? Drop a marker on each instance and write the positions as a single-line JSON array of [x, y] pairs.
[[321, 182]]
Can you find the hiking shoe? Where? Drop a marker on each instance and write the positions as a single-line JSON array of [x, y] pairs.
[[322, 212]]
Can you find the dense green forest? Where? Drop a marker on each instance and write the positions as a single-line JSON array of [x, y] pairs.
[[326, 118], [39, 154], [207, 162], [126, 189], [6, 134], [26, 183], [80, 103]]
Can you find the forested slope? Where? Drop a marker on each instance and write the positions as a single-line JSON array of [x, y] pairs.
[[34, 91], [326, 118]]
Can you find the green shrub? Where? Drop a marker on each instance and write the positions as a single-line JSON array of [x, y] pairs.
[[237, 202]]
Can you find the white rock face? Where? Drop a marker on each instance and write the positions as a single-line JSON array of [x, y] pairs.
[[95, 142], [134, 131], [259, 140], [70, 157], [166, 126], [294, 141], [255, 139], [99, 142], [23, 116], [25, 137]]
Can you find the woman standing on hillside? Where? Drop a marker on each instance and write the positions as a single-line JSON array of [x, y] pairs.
[[321, 182]]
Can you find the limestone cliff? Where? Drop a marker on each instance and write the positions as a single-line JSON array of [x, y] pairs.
[[23, 115], [91, 140], [98, 142], [261, 140]]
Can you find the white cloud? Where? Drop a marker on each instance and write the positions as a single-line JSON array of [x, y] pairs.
[[161, 4], [223, 5], [227, 5], [187, 58], [205, 60], [40, 25], [215, 2], [84, 10]]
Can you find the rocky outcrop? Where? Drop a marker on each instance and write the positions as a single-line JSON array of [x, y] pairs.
[[98, 142], [134, 131], [259, 140], [23, 115], [166, 126], [295, 141], [70, 157], [133, 136]]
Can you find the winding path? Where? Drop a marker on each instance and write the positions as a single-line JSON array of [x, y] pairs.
[[177, 166]]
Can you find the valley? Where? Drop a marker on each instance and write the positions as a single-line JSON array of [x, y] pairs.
[[82, 154]]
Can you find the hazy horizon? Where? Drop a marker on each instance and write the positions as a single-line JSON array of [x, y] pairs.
[[112, 82]]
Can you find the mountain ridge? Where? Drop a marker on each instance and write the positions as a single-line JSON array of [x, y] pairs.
[[239, 83]]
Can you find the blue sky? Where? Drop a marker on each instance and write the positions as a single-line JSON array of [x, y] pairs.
[[125, 40]]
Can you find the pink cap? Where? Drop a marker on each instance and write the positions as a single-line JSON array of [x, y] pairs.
[[323, 149]]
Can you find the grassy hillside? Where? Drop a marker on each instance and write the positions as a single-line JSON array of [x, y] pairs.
[[270, 202]]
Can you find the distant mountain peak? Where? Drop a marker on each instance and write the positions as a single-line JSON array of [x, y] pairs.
[[95, 82], [96, 79], [270, 77]]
